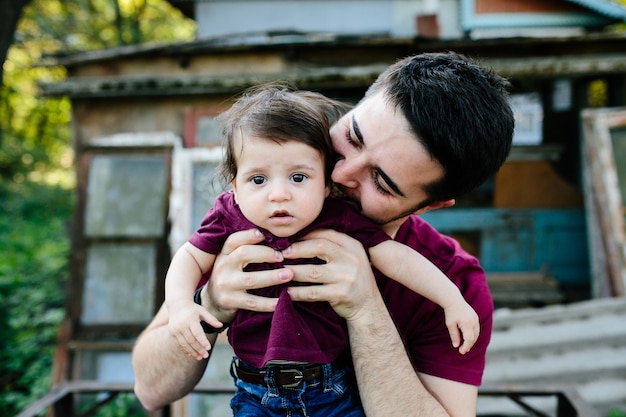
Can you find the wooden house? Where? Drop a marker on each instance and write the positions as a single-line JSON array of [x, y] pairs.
[[146, 142]]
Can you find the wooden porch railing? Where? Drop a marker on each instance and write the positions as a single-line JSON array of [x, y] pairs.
[[60, 400]]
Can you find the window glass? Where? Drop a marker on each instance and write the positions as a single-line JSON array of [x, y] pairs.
[[119, 284], [126, 196], [194, 188], [205, 190], [209, 131]]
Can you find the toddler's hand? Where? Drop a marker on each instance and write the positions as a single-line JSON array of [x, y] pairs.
[[184, 325], [463, 326]]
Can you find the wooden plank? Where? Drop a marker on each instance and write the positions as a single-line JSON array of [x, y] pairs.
[[523, 289], [108, 346], [600, 280], [571, 404], [61, 360], [55, 395], [604, 191]]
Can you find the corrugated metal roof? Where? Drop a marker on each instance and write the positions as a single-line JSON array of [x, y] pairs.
[[234, 42], [120, 86], [318, 77], [607, 8], [583, 344]]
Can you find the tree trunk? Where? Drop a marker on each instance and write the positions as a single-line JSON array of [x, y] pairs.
[[11, 12]]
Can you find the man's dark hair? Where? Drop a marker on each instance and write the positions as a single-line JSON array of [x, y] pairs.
[[458, 110]]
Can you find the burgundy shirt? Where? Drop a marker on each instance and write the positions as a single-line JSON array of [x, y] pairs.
[[421, 323], [298, 332]]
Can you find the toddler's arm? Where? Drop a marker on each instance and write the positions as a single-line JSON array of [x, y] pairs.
[[413, 270], [183, 275]]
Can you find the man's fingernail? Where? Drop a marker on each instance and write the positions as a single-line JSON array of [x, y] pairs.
[[287, 251], [258, 233], [283, 276]]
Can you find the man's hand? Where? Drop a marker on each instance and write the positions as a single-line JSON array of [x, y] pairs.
[[347, 278], [349, 286], [226, 291]]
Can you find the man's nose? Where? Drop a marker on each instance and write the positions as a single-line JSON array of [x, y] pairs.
[[347, 173]]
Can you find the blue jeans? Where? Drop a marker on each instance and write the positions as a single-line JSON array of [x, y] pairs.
[[333, 395]]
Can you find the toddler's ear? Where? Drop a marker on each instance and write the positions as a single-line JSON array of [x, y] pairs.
[[232, 183]]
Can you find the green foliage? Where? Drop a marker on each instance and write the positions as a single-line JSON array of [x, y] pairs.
[[71, 25], [33, 270], [618, 27], [617, 413], [35, 130], [124, 405], [36, 195]]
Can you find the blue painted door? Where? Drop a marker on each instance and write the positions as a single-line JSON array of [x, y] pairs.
[[519, 240]]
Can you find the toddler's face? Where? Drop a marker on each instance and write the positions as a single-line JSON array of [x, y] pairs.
[[279, 186]]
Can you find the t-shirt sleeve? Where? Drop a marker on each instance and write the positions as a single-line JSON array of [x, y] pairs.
[[421, 323], [431, 345], [213, 230]]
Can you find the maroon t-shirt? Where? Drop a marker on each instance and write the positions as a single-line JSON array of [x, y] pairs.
[[421, 323], [298, 332]]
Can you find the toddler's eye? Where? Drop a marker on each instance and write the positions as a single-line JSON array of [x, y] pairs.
[[298, 177], [258, 179]]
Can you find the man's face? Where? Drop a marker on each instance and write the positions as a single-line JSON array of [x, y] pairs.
[[382, 166]]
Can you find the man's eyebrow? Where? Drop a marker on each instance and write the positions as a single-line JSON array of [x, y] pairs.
[[389, 182], [357, 131], [385, 177]]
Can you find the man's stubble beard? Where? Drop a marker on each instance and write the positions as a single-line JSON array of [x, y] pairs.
[[340, 193]]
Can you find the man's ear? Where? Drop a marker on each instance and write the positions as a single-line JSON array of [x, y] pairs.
[[436, 205]]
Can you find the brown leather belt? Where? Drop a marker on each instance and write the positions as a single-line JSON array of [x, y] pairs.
[[283, 377]]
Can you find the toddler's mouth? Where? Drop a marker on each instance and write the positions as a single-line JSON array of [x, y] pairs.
[[281, 213], [281, 218]]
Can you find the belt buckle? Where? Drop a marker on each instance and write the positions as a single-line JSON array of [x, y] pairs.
[[298, 376], [233, 368]]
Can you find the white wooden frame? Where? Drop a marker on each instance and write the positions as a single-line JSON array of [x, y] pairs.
[[603, 202], [181, 195]]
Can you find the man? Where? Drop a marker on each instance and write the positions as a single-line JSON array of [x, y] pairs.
[[431, 128]]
